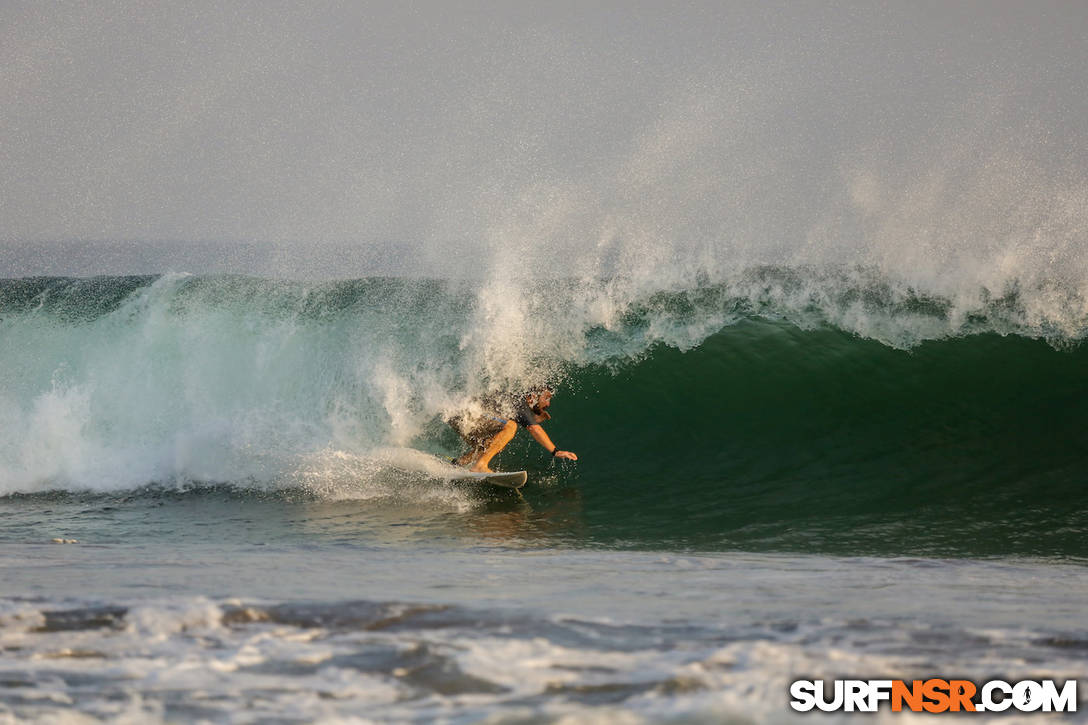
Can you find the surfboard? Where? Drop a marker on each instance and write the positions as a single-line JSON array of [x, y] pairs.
[[512, 479]]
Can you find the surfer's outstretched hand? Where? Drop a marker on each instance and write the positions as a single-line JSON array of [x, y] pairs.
[[566, 454]]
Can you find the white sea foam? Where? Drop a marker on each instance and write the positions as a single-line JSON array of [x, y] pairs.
[[185, 658]]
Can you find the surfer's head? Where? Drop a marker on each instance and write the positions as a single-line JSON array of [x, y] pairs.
[[539, 398]]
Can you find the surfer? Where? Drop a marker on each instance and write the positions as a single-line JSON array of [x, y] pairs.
[[489, 432]]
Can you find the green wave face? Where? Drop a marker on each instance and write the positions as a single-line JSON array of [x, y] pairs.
[[767, 436], [792, 410]]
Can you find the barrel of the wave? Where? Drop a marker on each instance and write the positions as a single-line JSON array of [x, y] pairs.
[[767, 432]]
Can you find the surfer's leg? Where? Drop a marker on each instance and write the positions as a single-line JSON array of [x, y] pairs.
[[479, 436], [470, 458], [496, 444]]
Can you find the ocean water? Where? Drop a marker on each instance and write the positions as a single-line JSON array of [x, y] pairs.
[[784, 472]]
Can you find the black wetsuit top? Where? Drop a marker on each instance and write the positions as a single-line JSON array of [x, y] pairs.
[[525, 416]]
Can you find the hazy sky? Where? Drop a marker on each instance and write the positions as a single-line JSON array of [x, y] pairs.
[[392, 137]]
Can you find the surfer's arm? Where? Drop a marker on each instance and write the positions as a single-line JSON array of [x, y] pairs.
[[542, 438]]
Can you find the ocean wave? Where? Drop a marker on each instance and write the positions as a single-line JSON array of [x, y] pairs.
[[795, 379]]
